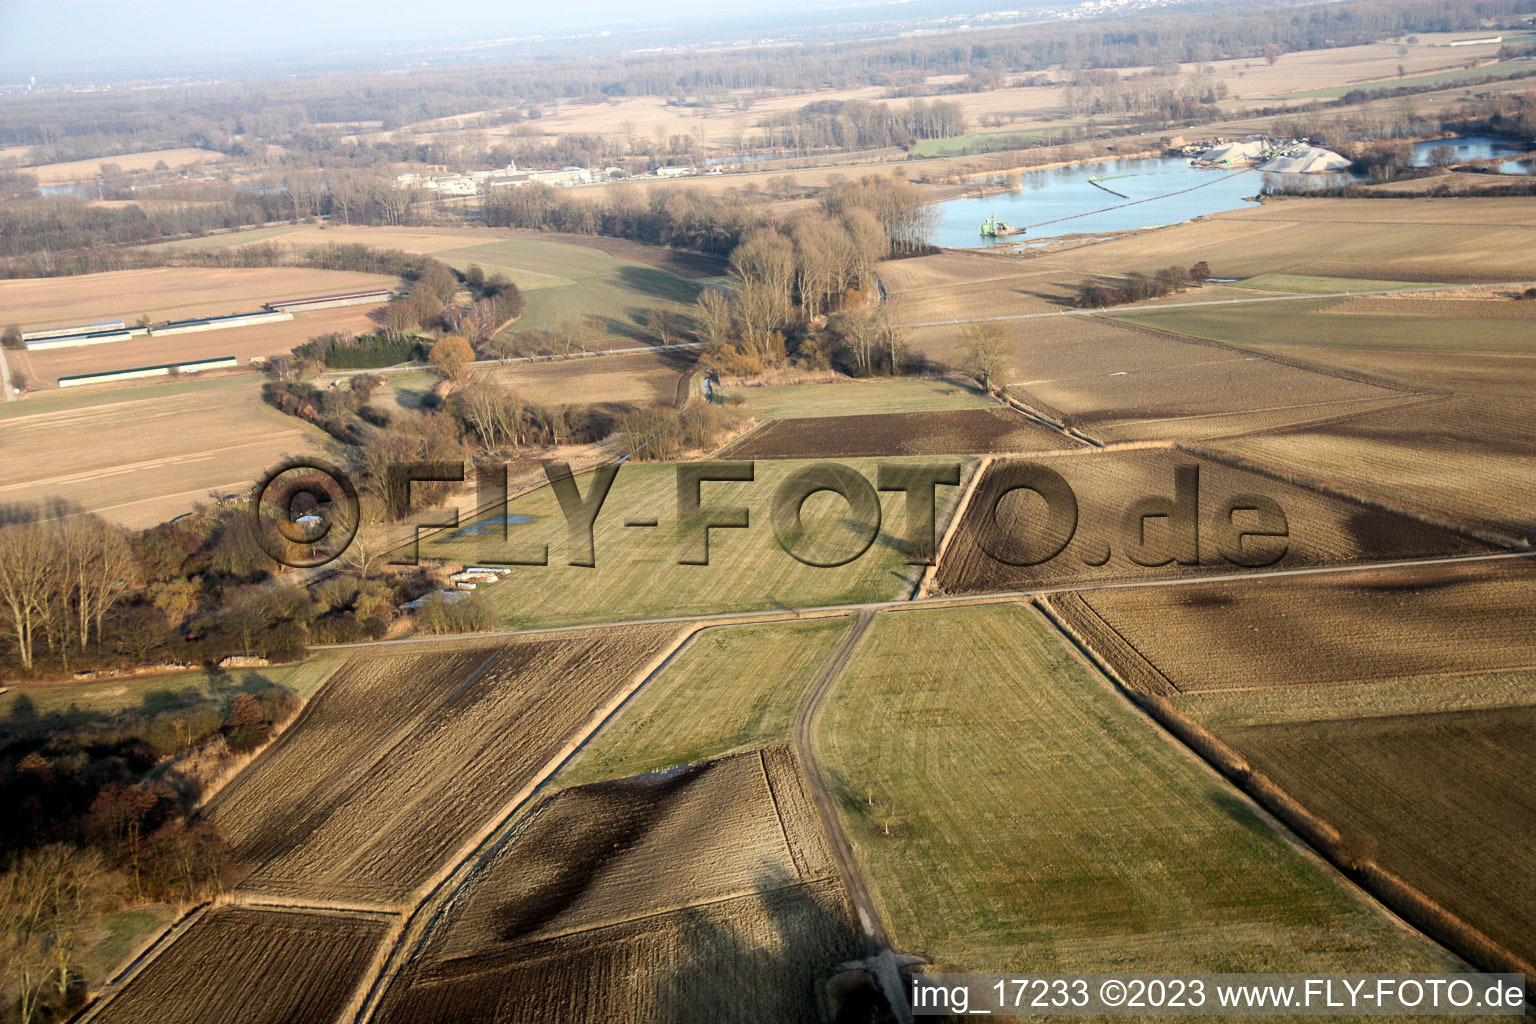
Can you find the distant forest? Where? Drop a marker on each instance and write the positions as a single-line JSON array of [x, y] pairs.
[[228, 116]]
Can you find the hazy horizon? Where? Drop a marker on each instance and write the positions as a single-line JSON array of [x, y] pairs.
[[36, 37]]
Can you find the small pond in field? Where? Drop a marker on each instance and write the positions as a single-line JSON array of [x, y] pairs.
[[1473, 147], [481, 527]]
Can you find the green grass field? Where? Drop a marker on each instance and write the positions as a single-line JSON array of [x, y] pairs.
[[168, 691], [1517, 68], [1375, 699], [229, 238], [1309, 285], [1010, 812], [733, 688], [857, 397], [638, 575], [569, 282], [1308, 324], [66, 399], [965, 145]]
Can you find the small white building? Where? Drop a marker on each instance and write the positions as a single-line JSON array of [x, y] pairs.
[[563, 178]]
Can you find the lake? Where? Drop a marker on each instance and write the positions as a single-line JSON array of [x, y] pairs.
[[1471, 147], [1170, 191]]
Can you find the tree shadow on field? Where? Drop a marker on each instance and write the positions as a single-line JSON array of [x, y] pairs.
[[1243, 813], [1389, 535], [632, 329], [765, 957], [657, 284], [20, 513]]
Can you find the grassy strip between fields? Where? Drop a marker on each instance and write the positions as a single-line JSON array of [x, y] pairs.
[[71, 399], [1309, 285], [1011, 812], [1374, 699], [965, 145], [857, 397], [1517, 68], [734, 688], [1313, 324]]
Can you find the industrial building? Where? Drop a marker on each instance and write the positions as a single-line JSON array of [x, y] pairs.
[[214, 323], [166, 370], [78, 340], [368, 296], [59, 332]]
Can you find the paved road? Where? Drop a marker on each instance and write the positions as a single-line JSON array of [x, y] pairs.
[[768, 615], [1151, 307]]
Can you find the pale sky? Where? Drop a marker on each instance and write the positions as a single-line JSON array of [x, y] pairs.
[[45, 33]]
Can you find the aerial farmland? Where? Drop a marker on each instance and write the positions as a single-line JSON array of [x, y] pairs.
[[508, 522]]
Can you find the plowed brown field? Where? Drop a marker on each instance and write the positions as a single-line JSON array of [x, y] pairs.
[[699, 894], [956, 432], [244, 965], [404, 755], [1339, 628], [1321, 530], [1444, 800]]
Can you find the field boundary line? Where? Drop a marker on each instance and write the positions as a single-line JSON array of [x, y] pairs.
[[925, 581], [1390, 405], [882, 960], [338, 908], [435, 895], [724, 452], [778, 815], [146, 956], [1054, 607], [1362, 407], [1469, 673], [874, 929], [1118, 310], [1339, 373], [212, 789], [943, 601], [1388, 892]]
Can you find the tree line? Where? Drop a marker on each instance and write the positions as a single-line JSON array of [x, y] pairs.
[[680, 218], [233, 117], [859, 124], [1139, 287], [45, 228]]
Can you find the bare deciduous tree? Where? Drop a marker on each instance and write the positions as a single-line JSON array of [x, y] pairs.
[[712, 310], [985, 350]]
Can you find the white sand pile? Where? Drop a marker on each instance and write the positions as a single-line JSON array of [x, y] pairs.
[[1306, 160], [1237, 152]]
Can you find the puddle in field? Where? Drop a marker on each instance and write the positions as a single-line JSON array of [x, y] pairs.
[[481, 527]]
